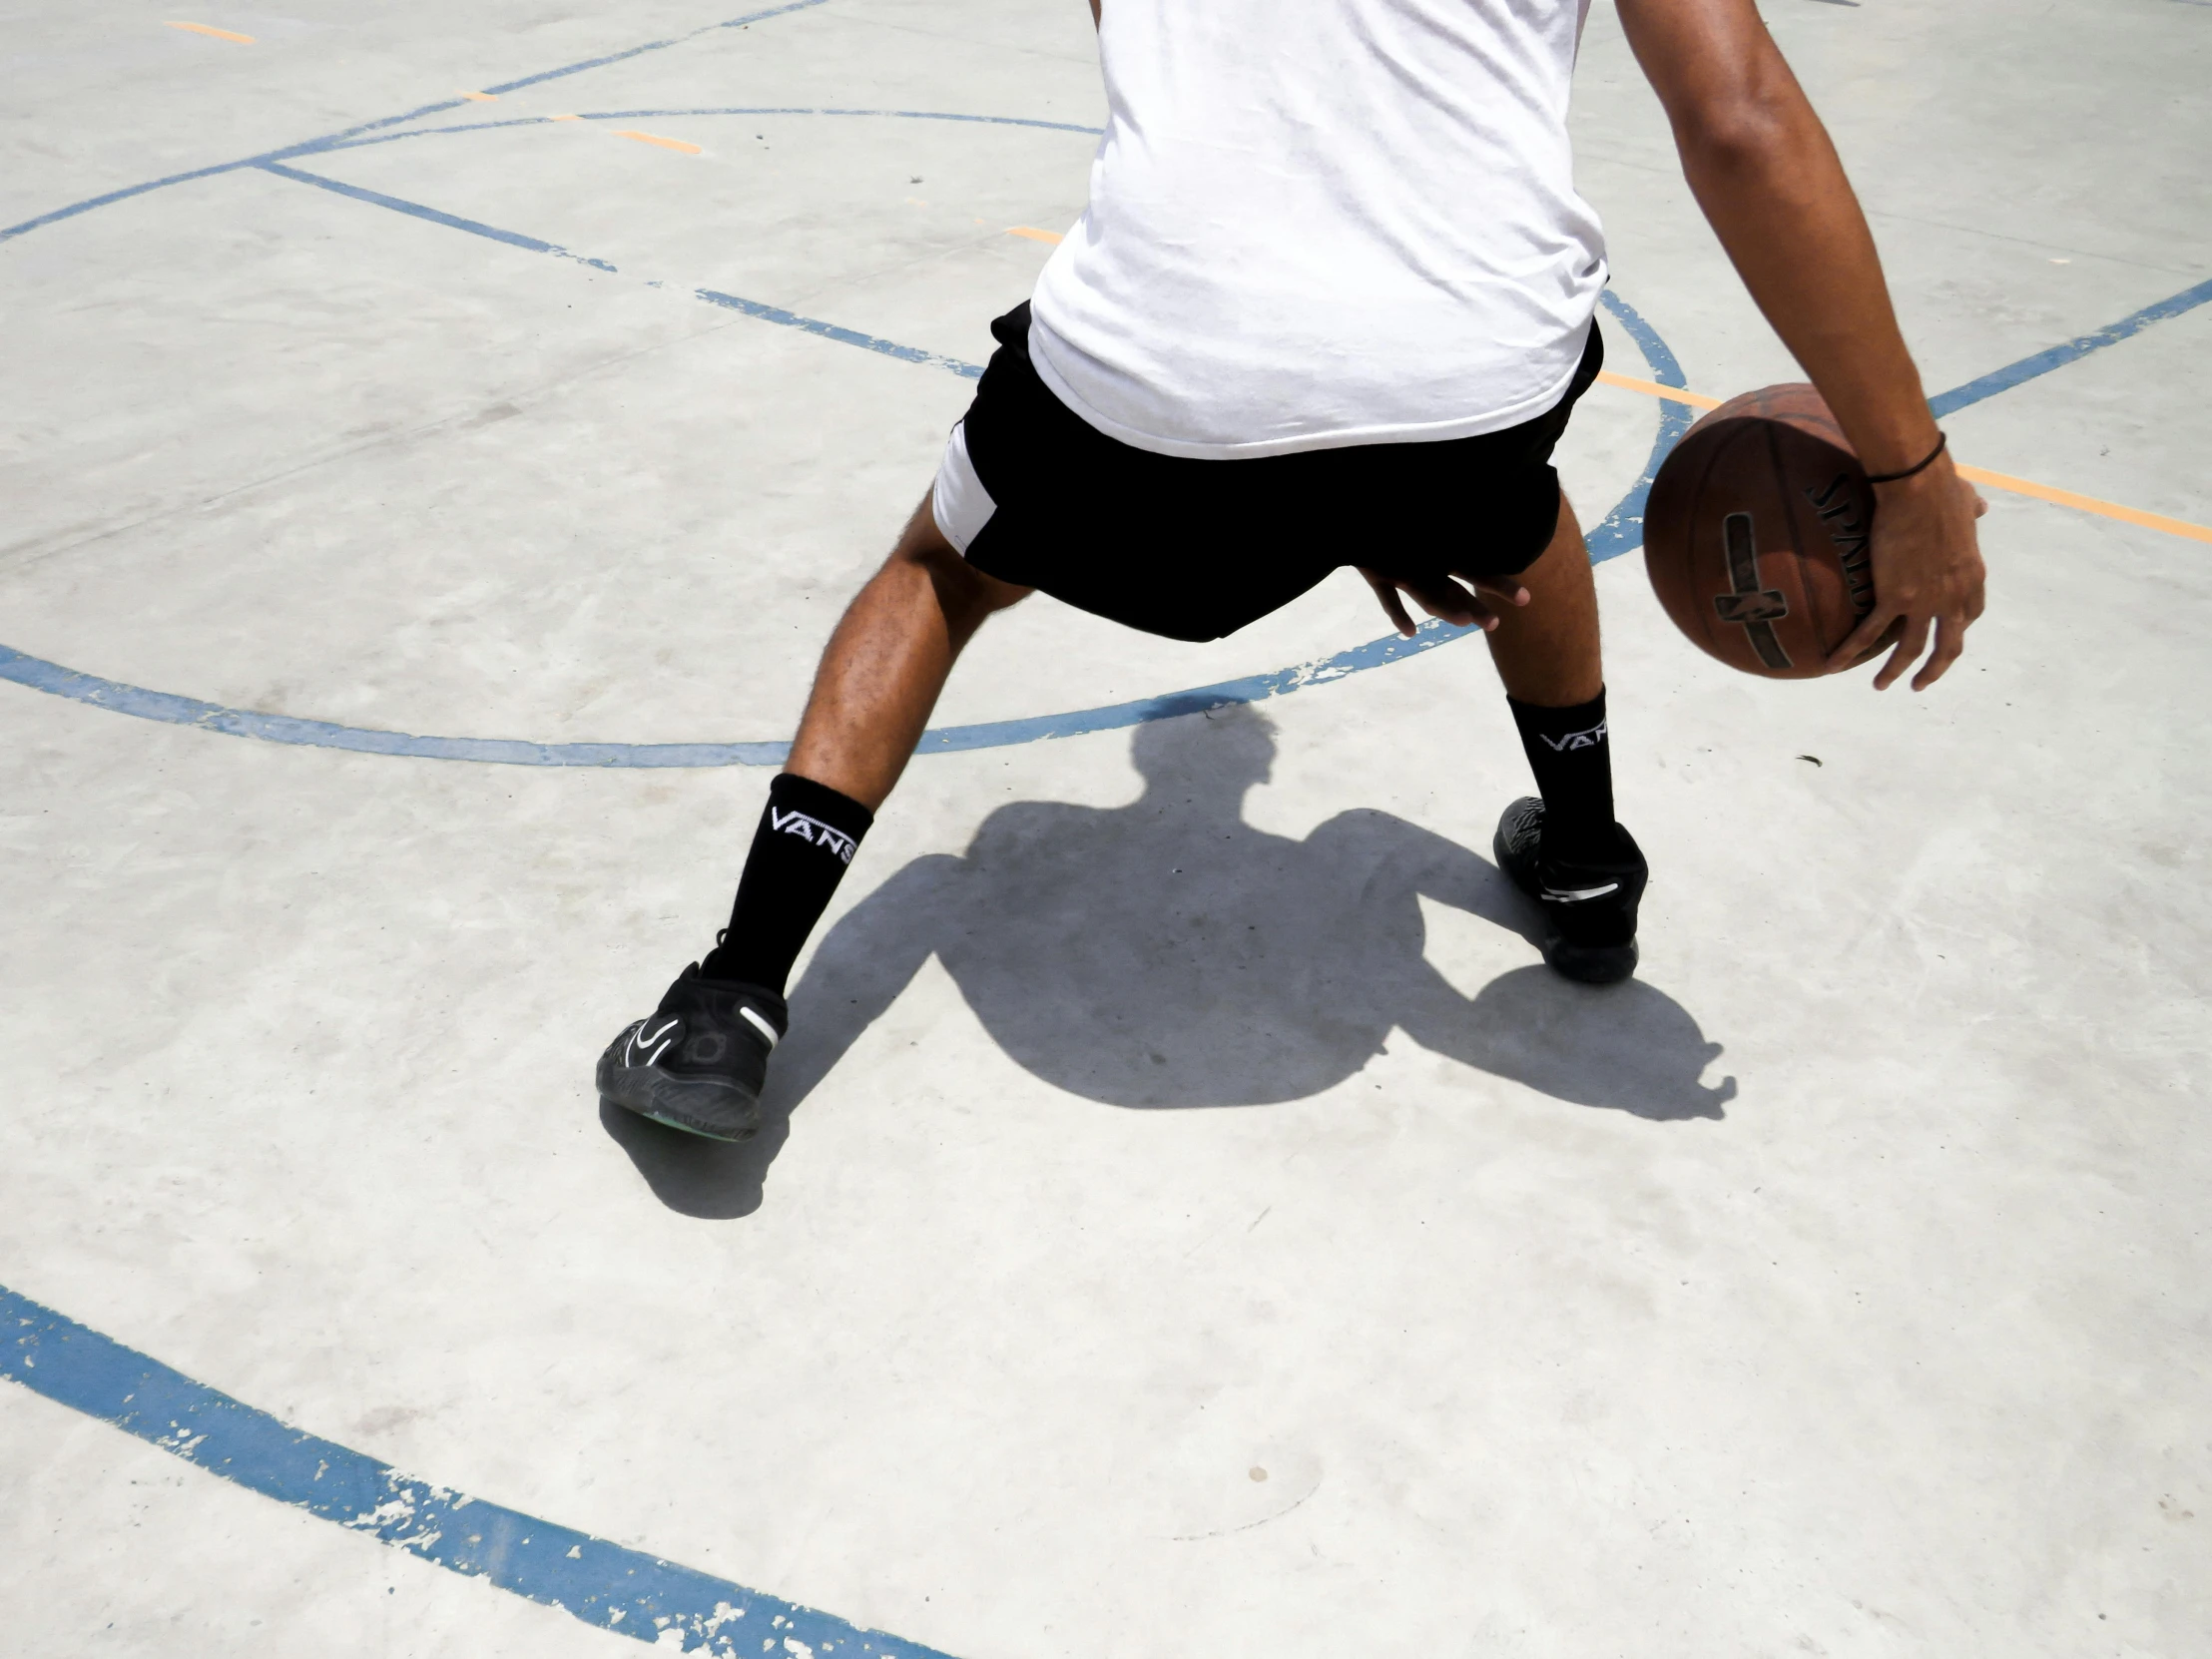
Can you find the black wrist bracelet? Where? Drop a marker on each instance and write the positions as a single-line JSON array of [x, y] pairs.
[[1942, 442]]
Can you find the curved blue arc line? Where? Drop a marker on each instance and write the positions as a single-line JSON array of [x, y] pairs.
[[1619, 532], [1622, 530], [897, 115], [9, 232], [331, 147], [37, 674], [335, 144], [1665, 369], [592, 1579]]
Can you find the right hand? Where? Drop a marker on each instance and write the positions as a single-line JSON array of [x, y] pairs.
[[1928, 574], [1443, 598]]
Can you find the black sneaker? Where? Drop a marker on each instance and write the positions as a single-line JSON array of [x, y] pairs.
[[698, 1061], [1589, 904]]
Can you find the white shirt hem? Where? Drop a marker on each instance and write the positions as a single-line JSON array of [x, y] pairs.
[[1467, 426]]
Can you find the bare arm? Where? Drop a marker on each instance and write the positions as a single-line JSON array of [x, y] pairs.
[[1762, 168], [1094, 13]]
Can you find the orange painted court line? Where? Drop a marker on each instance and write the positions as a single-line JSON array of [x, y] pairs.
[[2087, 504], [564, 118], [1972, 474], [481, 97], [1652, 389], [210, 29], [1032, 232], [664, 143]]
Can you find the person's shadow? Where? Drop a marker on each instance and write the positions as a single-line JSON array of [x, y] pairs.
[[1168, 954]]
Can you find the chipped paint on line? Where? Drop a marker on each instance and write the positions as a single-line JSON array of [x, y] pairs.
[[602, 1584]]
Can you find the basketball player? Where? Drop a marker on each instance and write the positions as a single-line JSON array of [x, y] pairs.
[[1332, 304]]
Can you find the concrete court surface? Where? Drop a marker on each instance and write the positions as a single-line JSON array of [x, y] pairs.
[[1193, 1222]]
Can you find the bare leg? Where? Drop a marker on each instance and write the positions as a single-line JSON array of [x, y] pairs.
[[1546, 651], [887, 662]]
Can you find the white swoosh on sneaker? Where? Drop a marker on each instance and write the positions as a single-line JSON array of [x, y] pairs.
[[1569, 896], [638, 1040]]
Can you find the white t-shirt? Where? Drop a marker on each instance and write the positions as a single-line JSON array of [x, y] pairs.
[[1317, 223]]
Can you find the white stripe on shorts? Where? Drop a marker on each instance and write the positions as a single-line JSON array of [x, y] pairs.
[[958, 501]]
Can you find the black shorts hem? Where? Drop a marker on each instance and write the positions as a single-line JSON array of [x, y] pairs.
[[1195, 549]]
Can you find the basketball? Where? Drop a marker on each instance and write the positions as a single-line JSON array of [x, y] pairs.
[[1757, 537]]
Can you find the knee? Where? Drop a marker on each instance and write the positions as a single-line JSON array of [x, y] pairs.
[[964, 594]]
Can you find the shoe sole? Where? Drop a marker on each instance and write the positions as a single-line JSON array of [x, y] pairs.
[[1590, 964], [708, 1107]]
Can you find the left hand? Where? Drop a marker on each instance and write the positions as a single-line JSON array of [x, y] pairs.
[[1443, 598]]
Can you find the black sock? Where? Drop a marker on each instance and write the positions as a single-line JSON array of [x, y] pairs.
[[1573, 764], [808, 834]]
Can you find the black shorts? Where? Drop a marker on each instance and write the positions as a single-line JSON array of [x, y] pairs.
[[1195, 549]]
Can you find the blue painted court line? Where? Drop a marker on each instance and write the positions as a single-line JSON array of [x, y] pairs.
[[1252, 688], [649, 46], [36, 674], [601, 1583], [2058, 356], [1623, 529], [1620, 531], [712, 109], [842, 336], [309, 147], [895, 115], [9, 232], [52, 678], [534, 244], [453, 222]]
